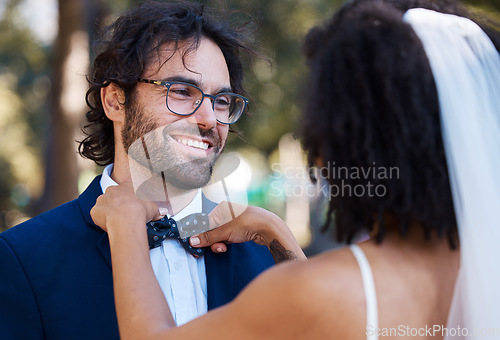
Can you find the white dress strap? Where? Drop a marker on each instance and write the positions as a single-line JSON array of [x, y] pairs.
[[370, 295]]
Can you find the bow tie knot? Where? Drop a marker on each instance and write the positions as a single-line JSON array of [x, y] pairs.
[[182, 230]]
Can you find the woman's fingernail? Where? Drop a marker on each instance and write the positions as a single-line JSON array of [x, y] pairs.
[[162, 211], [194, 241], [220, 250]]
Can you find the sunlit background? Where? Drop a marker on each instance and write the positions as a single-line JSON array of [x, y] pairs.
[[44, 57]]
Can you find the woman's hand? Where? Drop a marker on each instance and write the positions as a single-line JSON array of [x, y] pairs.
[[119, 207], [251, 224], [120, 210]]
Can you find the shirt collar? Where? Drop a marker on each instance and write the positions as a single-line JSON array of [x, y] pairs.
[[106, 180]]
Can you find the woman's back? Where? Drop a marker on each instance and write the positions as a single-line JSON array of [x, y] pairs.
[[414, 282]]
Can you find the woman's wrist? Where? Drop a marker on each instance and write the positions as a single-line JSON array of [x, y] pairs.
[[130, 227], [274, 228], [280, 241]]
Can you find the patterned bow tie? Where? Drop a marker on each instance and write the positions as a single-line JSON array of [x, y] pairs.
[[181, 230]]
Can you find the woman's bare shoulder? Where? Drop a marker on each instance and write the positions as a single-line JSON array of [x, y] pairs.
[[325, 292]]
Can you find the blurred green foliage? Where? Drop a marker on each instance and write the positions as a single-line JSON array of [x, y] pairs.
[[275, 86], [24, 86]]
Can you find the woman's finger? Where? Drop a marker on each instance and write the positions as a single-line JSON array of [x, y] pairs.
[[219, 247], [211, 237]]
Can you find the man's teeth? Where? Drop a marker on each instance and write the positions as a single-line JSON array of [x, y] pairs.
[[194, 144]]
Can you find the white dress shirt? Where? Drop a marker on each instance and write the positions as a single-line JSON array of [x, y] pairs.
[[182, 277]]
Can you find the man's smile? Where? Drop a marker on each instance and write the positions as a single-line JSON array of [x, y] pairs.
[[195, 143]]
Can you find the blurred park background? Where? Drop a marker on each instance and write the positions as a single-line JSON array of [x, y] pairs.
[[45, 52]]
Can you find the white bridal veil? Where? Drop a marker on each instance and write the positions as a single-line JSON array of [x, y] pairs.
[[466, 69]]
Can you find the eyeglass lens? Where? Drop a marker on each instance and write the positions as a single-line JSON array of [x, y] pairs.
[[184, 99]]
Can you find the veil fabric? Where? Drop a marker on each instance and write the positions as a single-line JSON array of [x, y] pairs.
[[466, 69]]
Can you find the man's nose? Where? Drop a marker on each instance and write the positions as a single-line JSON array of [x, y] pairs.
[[205, 115]]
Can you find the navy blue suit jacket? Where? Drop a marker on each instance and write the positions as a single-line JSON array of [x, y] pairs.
[[56, 280]]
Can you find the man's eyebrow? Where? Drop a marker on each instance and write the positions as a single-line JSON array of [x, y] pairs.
[[196, 83], [182, 79]]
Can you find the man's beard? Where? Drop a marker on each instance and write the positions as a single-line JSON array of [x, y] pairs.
[[152, 147]]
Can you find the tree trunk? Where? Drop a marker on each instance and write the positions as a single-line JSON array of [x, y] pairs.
[[70, 65]]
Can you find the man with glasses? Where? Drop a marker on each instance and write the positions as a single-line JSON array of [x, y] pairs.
[[164, 88]]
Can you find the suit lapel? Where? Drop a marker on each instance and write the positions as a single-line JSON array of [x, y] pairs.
[[103, 246], [218, 269], [87, 201], [220, 277]]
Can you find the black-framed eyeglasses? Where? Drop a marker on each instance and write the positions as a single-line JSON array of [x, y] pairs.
[[184, 99]]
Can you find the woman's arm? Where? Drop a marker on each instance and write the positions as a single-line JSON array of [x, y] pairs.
[[279, 304], [142, 310], [252, 224], [138, 297]]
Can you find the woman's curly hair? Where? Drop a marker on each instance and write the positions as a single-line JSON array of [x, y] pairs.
[[370, 103], [130, 43]]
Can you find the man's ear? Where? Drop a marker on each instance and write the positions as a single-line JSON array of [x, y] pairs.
[[112, 98]]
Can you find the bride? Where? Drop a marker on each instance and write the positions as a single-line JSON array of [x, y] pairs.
[[416, 89]]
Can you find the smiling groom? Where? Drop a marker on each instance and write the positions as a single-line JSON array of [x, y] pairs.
[[165, 70]]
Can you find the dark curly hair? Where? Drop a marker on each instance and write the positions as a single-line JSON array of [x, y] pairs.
[[371, 103], [132, 40]]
